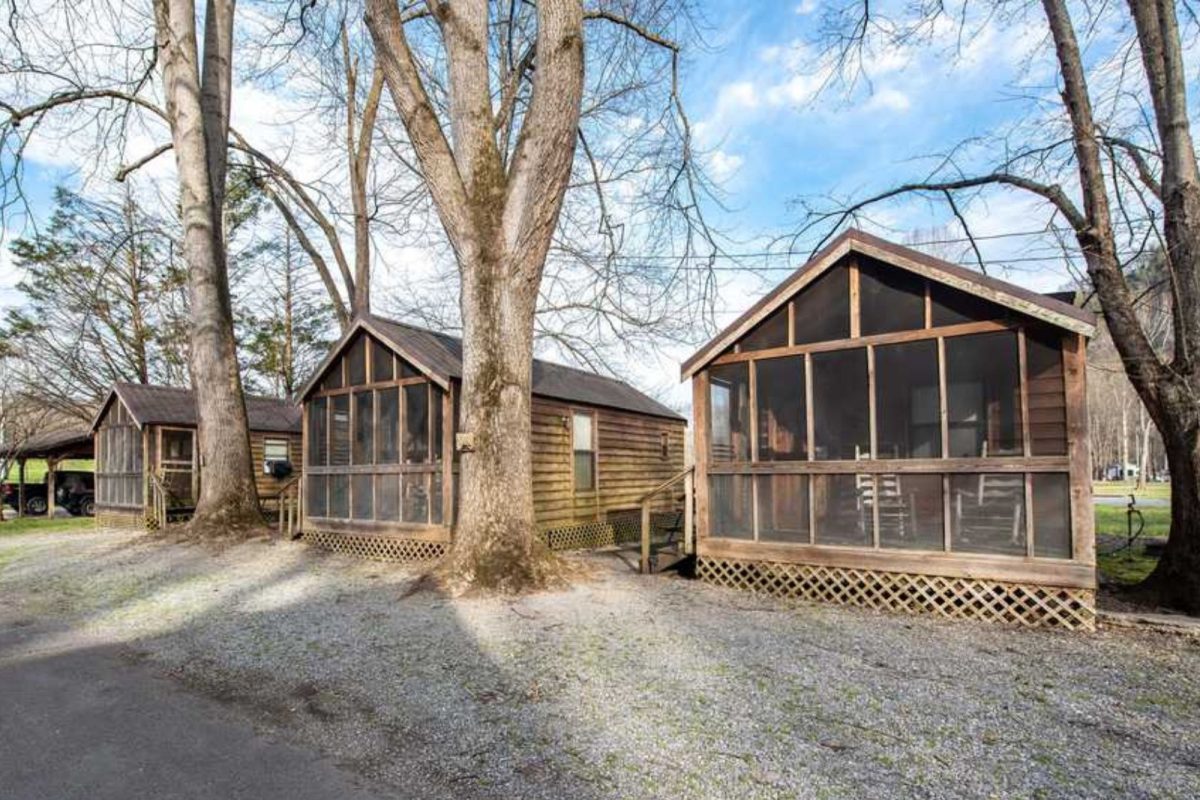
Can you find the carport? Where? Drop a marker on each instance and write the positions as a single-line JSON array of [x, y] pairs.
[[54, 447]]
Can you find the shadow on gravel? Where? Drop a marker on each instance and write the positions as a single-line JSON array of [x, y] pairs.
[[637, 686]]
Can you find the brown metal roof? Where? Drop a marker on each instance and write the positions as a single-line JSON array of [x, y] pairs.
[[170, 405], [1047, 307], [440, 356], [64, 443]]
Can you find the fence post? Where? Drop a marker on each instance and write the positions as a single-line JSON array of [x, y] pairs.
[[689, 531], [645, 564]]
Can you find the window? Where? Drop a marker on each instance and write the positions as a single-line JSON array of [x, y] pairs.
[[1047, 393], [177, 447], [952, 307], [890, 299], [664, 444], [1051, 515], [729, 412], [843, 509], [382, 366], [782, 414], [318, 433], [317, 501], [731, 515], [435, 422], [333, 378], [911, 515], [339, 434], [416, 423], [783, 508], [387, 433], [387, 497], [339, 496], [416, 498], [276, 450], [987, 513], [841, 408], [983, 395], [407, 370], [356, 362], [583, 447], [771, 332], [907, 409], [363, 490], [823, 308], [364, 427]]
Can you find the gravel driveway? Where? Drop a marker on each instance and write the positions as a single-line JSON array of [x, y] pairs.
[[624, 686]]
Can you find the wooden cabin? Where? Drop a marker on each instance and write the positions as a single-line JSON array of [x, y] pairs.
[[146, 454], [892, 430], [381, 466]]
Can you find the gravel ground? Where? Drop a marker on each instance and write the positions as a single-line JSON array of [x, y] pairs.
[[623, 686]]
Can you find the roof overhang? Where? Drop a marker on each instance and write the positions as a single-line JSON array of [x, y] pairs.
[[113, 394], [1047, 309], [365, 324]]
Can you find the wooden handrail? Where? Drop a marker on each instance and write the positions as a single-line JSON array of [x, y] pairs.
[[666, 484], [687, 476]]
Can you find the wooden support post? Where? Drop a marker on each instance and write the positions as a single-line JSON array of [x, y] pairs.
[[700, 455], [645, 562], [689, 533], [20, 487], [51, 466], [1083, 521]]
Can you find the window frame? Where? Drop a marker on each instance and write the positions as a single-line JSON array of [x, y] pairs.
[[591, 415], [1022, 460]]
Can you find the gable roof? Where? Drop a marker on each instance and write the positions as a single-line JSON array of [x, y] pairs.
[[439, 356], [1045, 307], [170, 405]]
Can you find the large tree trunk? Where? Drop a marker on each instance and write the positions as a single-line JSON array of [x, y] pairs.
[[199, 115], [494, 545], [499, 219], [1175, 581]]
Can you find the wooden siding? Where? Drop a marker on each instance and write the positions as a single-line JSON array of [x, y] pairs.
[[267, 485], [629, 462]]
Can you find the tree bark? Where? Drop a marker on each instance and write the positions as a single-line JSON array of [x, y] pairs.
[[499, 221], [1169, 392], [198, 112]]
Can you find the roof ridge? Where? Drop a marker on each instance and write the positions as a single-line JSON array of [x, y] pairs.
[[458, 339], [159, 387]]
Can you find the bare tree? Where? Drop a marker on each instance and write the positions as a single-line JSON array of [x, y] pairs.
[[77, 71], [491, 96], [197, 88], [1146, 163]]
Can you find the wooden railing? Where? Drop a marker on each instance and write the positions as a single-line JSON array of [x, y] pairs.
[[289, 507], [158, 502], [687, 476]]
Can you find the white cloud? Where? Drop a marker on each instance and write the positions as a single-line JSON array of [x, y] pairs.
[[723, 165], [806, 7], [888, 99]]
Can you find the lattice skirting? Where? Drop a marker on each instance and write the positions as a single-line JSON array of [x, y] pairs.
[[127, 520], [957, 598], [380, 548], [618, 529]]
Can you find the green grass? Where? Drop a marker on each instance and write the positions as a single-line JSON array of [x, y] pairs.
[[11, 527], [1158, 491], [1111, 521], [35, 469], [1125, 569]]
